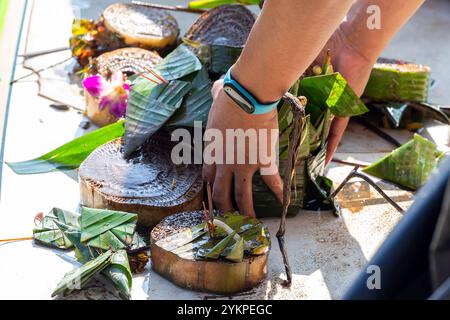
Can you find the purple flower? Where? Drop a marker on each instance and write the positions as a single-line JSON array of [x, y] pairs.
[[113, 94]]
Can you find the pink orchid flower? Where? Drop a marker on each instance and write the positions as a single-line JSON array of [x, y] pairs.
[[113, 94]]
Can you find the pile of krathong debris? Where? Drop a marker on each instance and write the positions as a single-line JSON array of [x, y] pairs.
[[101, 240]]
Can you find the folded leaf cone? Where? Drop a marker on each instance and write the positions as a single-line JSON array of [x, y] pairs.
[[409, 165]]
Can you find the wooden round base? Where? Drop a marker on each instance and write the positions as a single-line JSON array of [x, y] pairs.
[[215, 276], [149, 184]]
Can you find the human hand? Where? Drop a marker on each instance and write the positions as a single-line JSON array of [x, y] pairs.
[[355, 66], [228, 175]]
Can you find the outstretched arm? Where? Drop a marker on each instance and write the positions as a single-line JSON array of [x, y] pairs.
[[356, 48], [287, 37]]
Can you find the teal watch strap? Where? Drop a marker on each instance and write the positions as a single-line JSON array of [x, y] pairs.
[[244, 98]]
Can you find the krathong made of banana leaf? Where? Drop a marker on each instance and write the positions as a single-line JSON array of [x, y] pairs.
[[394, 80], [409, 165], [185, 98], [70, 155], [327, 95], [219, 35], [235, 237], [101, 239]]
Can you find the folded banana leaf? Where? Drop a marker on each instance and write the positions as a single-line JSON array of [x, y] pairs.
[[106, 229], [72, 154], [197, 103], [50, 231], [120, 274], [178, 64], [147, 114], [253, 239], [207, 4], [394, 80], [92, 234], [331, 91], [409, 165], [77, 279]]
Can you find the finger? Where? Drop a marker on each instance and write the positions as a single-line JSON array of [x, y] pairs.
[[222, 189], [275, 183], [243, 193], [337, 130]]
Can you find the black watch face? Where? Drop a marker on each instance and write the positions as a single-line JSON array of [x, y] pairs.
[[242, 101]]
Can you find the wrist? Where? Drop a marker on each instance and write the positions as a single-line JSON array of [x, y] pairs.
[[258, 83]]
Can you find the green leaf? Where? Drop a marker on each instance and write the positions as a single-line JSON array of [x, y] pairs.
[[179, 63], [72, 154], [106, 229], [207, 4], [76, 279], [394, 80], [50, 233], [197, 103], [333, 92], [215, 252], [410, 165], [145, 116], [120, 274], [236, 252]]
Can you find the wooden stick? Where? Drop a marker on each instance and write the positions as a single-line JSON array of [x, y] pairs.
[[16, 239], [169, 8], [210, 202]]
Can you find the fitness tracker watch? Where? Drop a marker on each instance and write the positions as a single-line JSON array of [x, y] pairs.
[[243, 98]]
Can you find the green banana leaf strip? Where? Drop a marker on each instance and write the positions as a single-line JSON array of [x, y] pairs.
[[235, 253], [146, 115], [215, 252], [76, 279], [70, 155], [120, 274], [222, 58], [179, 63], [410, 165], [106, 229], [196, 104], [50, 232], [207, 4], [332, 91]]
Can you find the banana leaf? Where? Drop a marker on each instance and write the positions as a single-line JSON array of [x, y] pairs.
[[208, 4], [195, 241], [77, 279], [235, 253], [147, 114], [214, 252], [393, 80], [106, 229], [70, 155], [120, 274], [409, 165], [50, 233], [197, 103], [332, 91], [178, 64]]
